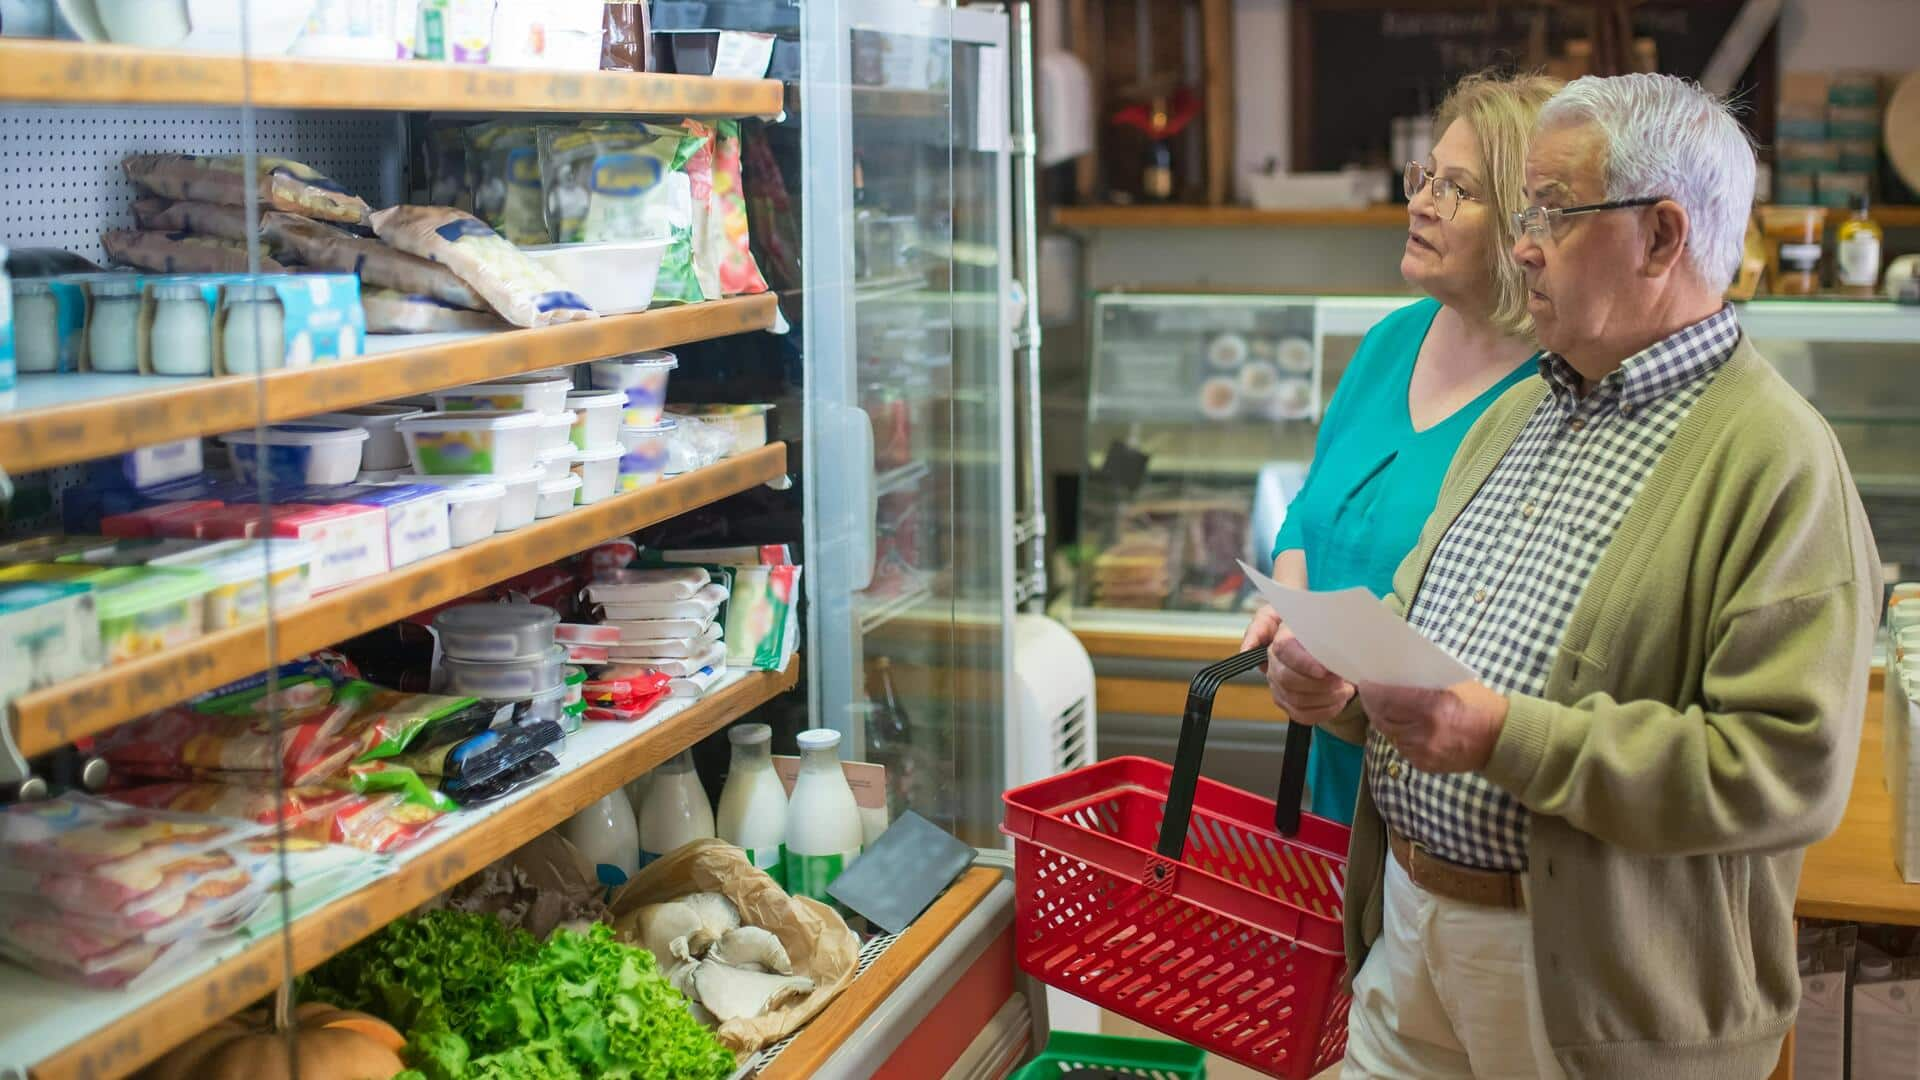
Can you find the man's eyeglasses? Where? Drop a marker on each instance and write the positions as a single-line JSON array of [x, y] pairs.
[[1446, 193], [1541, 222]]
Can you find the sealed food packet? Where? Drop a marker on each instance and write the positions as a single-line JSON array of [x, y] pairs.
[[613, 180], [708, 237], [157, 214], [281, 184], [197, 913], [180, 253], [739, 271], [91, 959], [482, 756], [80, 834], [504, 783], [379, 822], [391, 312], [328, 247], [446, 167], [521, 290], [762, 617], [128, 885], [504, 158]]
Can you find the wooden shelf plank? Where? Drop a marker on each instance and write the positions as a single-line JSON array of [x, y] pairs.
[[40, 438], [131, 1039], [59, 714], [823, 1036], [78, 73], [1227, 217]]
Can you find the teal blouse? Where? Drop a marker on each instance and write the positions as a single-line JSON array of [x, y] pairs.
[[1371, 487]]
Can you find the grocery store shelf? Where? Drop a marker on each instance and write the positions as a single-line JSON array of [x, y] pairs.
[[1873, 322], [60, 419], [49, 718], [1381, 216], [809, 1053], [76, 73], [60, 1031]]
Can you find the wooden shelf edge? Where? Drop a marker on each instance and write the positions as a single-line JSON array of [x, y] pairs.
[[82, 73], [814, 1046], [49, 718], [1227, 217], [131, 1041], [62, 434]]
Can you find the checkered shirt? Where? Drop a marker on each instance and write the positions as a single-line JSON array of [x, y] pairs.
[[1503, 583]]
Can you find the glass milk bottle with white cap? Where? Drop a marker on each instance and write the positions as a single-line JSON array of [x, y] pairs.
[[823, 821], [676, 811], [606, 836], [753, 804]]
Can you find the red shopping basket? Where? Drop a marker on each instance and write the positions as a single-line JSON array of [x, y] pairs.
[[1204, 912]]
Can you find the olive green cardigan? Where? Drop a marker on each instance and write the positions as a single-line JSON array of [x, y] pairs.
[[1698, 730]]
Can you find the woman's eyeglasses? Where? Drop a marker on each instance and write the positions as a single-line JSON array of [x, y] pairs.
[[1541, 222], [1446, 193]]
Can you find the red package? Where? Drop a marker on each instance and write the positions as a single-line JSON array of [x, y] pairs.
[[181, 744], [377, 823], [142, 524]]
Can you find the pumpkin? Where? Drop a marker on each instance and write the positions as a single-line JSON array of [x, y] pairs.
[[337, 1044]]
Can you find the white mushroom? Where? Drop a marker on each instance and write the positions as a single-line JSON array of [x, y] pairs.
[[665, 930], [732, 994], [717, 916], [751, 948]]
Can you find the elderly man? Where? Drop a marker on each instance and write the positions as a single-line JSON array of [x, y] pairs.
[[1584, 863]]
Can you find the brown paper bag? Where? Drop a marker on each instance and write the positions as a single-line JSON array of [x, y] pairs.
[[816, 938]]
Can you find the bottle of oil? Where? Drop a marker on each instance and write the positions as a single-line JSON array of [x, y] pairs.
[[1857, 246]]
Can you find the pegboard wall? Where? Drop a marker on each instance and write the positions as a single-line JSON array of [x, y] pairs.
[[60, 178]]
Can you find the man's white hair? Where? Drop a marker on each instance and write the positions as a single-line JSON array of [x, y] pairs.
[[1666, 137]]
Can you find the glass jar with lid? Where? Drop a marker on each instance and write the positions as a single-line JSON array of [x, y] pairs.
[[36, 326], [113, 326], [254, 335], [182, 329]]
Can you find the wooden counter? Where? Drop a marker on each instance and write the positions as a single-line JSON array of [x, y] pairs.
[[1851, 875]]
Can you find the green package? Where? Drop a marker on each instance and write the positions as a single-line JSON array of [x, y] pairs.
[[614, 181]]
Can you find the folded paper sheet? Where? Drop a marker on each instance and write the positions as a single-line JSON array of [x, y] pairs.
[[1358, 639]]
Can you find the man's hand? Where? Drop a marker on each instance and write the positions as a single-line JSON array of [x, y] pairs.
[[1438, 731]]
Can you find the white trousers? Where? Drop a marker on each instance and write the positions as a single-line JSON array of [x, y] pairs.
[[1449, 990]]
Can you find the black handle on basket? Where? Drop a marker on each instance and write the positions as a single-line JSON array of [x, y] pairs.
[[1193, 743]]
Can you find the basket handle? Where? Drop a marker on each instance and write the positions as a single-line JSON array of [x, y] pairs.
[[1193, 743]]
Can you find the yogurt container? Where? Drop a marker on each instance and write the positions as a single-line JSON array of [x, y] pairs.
[[478, 443], [597, 417], [645, 457], [556, 496], [384, 448], [520, 498], [599, 472], [540, 394], [293, 454], [473, 511], [557, 461], [241, 592], [147, 610], [556, 429], [510, 680], [643, 378], [496, 632]]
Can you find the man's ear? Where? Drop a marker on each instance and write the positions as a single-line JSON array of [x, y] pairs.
[[1667, 228]]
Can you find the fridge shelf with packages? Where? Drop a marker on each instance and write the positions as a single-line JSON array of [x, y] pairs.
[[56, 1031]]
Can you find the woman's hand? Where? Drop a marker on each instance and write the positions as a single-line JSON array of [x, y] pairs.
[[1309, 693]]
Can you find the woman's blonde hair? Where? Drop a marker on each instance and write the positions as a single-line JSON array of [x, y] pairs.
[[1501, 110]]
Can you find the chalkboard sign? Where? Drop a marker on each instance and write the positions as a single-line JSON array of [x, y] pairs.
[[1357, 64]]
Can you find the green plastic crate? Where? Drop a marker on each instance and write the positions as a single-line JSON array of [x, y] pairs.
[[1151, 1059]]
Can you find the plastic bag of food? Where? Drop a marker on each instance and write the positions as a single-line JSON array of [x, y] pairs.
[[708, 237], [80, 835], [180, 253], [194, 913], [311, 743], [91, 959], [370, 822], [505, 158], [155, 214], [504, 783], [282, 184], [739, 272], [484, 755], [390, 312], [327, 247], [446, 168], [521, 290], [614, 180]]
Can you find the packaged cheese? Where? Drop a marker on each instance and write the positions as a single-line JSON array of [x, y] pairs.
[[521, 290]]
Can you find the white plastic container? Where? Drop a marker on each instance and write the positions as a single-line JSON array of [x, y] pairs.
[[676, 811], [480, 443], [473, 511], [162, 463], [642, 377], [241, 591], [556, 461], [605, 833], [556, 429], [508, 395], [297, 453], [753, 804], [599, 472], [824, 833], [616, 278], [644, 460], [597, 417], [382, 476], [506, 680], [384, 449], [556, 496], [520, 500]]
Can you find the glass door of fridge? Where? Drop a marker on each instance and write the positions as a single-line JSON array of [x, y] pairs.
[[908, 457]]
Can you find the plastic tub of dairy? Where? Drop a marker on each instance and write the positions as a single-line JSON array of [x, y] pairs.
[[642, 377], [599, 472], [240, 592], [384, 449], [597, 417], [616, 278], [644, 459], [296, 454], [147, 610], [556, 429], [473, 510], [556, 496], [496, 632], [507, 679], [556, 461], [541, 395], [480, 443]]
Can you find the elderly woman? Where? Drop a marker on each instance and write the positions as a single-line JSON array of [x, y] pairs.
[[1420, 378]]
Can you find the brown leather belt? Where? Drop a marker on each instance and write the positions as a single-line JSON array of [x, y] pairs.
[[1486, 888]]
